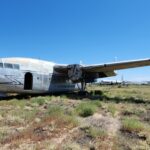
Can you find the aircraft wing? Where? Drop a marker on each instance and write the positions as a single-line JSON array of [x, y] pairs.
[[117, 65], [89, 73]]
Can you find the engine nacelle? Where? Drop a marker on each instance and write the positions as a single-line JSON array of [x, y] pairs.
[[75, 73]]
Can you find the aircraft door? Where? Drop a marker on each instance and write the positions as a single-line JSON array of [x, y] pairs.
[[28, 81]]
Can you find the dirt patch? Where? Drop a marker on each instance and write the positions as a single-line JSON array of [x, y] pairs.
[[111, 125], [82, 139]]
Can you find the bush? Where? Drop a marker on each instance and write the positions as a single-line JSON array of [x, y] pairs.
[[95, 132], [39, 100], [96, 103], [58, 113], [63, 97], [132, 125], [112, 109], [55, 111], [86, 109]]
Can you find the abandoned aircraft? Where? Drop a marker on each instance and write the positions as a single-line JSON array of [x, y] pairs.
[[25, 75]]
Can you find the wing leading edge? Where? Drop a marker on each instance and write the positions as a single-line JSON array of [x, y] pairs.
[[89, 73], [117, 65]]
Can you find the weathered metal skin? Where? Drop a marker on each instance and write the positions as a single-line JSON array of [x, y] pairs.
[[24, 75], [44, 78]]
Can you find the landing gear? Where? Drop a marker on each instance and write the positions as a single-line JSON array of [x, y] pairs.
[[82, 91], [83, 86]]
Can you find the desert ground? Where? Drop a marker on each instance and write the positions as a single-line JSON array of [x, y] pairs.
[[108, 118]]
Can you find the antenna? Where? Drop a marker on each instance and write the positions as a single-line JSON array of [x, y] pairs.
[[81, 63], [116, 58]]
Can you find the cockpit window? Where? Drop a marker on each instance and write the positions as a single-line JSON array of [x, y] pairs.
[[7, 65], [1, 65], [16, 66], [10, 66]]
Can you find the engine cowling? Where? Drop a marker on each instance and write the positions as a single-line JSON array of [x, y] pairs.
[[75, 73]]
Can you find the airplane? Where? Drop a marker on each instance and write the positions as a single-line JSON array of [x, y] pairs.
[[33, 76]]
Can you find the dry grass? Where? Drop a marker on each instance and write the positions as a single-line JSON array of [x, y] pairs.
[[47, 122]]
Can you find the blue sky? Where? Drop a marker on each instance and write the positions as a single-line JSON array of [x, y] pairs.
[[67, 31]]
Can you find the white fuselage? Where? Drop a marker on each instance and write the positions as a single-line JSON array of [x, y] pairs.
[[23, 75]]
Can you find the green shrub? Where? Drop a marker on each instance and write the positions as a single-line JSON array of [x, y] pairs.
[[39, 100], [96, 103], [132, 125], [15, 102], [71, 120], [86, 109], [95, 132], [59, 113], [63, 97], [24, 114], [55, 110], [112, 109]]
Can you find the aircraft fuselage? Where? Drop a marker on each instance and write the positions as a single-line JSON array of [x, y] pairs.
[[22, 75]]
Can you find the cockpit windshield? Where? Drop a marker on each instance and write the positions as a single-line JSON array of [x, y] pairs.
[[7, 65], [10, 66]]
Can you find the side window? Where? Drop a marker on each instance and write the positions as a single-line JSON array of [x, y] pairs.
[[1, 65], [16, 66], [7, 65]]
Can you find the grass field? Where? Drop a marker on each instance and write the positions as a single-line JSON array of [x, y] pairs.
[[110, 117]]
